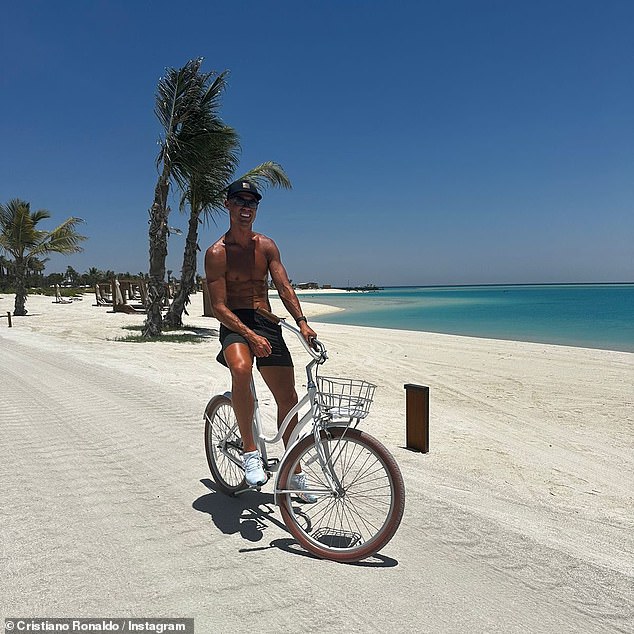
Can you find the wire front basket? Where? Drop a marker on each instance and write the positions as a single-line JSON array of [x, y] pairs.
[[344, 398]]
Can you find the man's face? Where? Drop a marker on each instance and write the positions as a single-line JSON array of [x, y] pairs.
[[242, 209]]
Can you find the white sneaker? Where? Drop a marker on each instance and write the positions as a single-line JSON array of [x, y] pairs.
[[298, 481], [253, 471]]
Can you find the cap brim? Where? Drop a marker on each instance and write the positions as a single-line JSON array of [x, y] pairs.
[[239, 192]]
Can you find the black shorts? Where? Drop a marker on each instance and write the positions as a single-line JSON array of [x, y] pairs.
[[280, 356]]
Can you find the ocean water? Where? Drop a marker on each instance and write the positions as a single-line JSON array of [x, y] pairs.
[[588, 315]]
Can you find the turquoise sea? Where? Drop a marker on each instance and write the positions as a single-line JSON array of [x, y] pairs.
[[585, 315]]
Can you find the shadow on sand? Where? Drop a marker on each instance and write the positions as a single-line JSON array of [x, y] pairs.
[[251, 513]]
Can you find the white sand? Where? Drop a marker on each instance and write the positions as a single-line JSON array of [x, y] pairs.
[[519, 519]]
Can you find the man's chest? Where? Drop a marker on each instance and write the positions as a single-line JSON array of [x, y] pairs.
[[245, 263]]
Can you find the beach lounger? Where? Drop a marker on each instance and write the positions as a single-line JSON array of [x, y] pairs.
[[101, 294]]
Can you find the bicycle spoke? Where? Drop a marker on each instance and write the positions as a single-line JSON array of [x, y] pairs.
[[363, 518], [353, 506], [356, 525]]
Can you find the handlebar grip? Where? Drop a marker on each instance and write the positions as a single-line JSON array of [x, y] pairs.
[[268, 315]]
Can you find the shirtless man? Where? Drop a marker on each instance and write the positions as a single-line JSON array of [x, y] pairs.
[[237, 268]]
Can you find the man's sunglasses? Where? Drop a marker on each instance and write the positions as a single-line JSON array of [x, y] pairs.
[[243, 202]]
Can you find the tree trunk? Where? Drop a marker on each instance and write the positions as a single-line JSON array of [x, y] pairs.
[[19, 309], [158, 254], [174, 315]]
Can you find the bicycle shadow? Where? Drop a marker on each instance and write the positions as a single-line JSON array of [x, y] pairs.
[[248, 514], [251, 513]]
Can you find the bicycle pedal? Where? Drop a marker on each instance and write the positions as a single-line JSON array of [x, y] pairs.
[[256, 488], [271, 466]]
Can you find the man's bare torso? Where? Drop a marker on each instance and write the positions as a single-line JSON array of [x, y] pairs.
[[246, 272]]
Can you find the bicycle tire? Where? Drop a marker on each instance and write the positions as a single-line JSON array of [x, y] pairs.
[[372, 486], [221, 437]]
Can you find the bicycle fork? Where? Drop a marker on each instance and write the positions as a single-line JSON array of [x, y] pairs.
[[328, 456]]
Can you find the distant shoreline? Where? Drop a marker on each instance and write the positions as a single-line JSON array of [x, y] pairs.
[[339, 289], [500, 285]]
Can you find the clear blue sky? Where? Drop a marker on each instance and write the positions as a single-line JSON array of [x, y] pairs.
[[429, 142]]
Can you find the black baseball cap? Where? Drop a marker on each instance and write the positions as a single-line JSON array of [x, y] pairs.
[[243, 187]]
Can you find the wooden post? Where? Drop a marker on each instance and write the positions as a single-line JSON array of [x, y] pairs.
[[9, 318], [417, 417], [143, 291], [207, 310]]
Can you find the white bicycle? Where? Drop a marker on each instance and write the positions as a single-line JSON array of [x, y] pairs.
[[358, 485]]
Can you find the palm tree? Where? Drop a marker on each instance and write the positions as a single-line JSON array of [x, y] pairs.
[[24, 242], [92, 276], [36, 269], [183, 102], [206, 195], [72, 276]]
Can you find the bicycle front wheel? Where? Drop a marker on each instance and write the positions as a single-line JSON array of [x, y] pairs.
[[362, 515], [223, 445]]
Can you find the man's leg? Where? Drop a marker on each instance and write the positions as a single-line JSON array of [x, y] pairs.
[[281, 381], [239, 358]]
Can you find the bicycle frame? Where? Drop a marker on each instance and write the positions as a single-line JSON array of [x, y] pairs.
[[318, 356]]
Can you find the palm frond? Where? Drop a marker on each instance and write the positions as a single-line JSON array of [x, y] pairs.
[[178, 96], [18, 232], [205, 144], [20, 237], [177, 104], [187, 104], [39, 215], [210, 100], [268, 174], [62, 239], [219, 151]]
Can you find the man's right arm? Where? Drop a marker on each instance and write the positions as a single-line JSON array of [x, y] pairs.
[[215, 272]]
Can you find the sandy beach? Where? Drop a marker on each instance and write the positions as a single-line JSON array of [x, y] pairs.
[[520, 519]]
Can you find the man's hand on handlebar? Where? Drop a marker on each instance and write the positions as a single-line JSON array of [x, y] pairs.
[[308, 333]]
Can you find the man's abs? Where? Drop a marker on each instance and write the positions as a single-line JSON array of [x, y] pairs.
[[248, 294]]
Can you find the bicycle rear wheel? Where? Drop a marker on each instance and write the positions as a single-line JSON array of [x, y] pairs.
[[362, 516], [223, 445]]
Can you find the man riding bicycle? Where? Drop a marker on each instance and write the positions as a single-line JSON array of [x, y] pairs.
[[237, 267]]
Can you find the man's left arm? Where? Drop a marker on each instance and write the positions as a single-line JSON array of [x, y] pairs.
[[286, 292]]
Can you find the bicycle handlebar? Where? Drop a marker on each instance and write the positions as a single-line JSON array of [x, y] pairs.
[[316, 349]]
